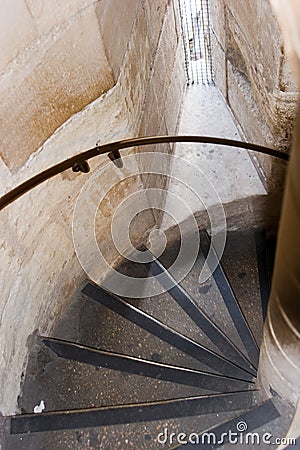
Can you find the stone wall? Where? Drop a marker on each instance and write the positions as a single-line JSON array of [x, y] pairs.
[[73, 74], [252, 72], [279, 368]]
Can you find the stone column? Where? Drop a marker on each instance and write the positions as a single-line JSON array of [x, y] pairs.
[[280, 353]]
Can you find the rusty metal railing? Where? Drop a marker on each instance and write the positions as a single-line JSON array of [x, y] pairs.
[[78, 162]]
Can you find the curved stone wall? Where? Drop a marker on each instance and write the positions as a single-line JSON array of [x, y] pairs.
[[254, 76], [73, 74]]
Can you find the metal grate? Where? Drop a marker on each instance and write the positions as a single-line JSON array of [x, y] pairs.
[[195, 24]]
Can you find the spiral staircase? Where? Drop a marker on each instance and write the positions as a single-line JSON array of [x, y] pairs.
[[127, 373], [175, 370]]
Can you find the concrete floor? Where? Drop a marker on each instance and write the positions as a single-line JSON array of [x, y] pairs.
[[227, 171]]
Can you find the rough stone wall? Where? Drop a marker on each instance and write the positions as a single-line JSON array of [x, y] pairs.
[[162, 106], [279, 367], [73, 73], [252, 72], [41, 87]]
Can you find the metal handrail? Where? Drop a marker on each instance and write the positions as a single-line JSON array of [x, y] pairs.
[[114, 147]]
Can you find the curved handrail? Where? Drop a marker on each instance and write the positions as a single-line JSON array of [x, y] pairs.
[[18, 191]]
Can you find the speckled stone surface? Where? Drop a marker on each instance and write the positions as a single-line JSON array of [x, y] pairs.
[[66, 384]]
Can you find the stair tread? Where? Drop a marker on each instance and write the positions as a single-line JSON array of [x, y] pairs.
[[142, 436], [132, 413], [240, 265], [146, 368], [135, 315], [247, 422], [96, 326]]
